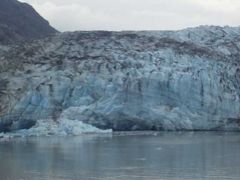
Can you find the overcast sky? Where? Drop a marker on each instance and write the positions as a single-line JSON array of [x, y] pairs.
[[70, 15]]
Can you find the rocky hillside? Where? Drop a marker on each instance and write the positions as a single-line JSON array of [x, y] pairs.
[[174, 80], [19, 21]]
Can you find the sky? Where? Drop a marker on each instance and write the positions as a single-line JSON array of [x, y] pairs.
[[72, 15]]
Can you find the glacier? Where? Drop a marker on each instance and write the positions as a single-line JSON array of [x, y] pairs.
[[145, 80]]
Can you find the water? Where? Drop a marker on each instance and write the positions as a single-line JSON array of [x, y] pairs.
[[131, 156]]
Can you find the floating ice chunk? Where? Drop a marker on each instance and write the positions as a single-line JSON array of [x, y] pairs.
[[4, 137]]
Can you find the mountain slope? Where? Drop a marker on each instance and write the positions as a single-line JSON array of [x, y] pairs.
[[174, 80], [19, 21]]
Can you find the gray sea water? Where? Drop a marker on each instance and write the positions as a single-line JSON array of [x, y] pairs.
[[123, 156]]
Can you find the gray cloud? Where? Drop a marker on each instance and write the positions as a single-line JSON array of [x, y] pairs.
[[70, 15]]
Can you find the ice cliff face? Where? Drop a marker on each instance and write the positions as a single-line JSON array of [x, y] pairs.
[[169, 80]]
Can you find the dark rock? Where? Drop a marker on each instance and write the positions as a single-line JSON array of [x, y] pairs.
[[19, 21]]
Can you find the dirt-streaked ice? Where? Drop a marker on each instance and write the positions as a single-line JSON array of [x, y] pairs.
[[173, 80]]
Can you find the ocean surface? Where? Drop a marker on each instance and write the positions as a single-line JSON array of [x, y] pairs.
[[123, 156]]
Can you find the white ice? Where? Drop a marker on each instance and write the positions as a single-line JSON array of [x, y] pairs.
[[62, 127]]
